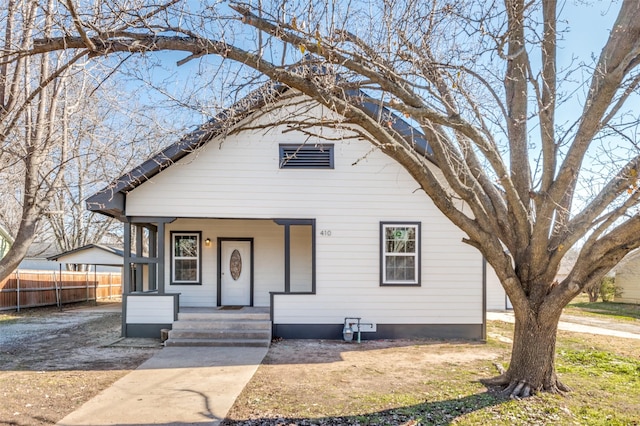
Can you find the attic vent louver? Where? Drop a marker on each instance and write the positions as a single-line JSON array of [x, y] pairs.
[[306, 156]]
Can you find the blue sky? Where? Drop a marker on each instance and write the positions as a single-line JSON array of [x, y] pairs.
[[588, 24]]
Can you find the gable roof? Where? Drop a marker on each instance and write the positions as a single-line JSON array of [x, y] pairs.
[[631, 258], [110, 201], [71, 256]]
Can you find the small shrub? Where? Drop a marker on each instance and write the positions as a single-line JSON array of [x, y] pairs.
[[608, 289]]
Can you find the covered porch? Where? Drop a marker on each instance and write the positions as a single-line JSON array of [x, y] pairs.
[[199, 265]]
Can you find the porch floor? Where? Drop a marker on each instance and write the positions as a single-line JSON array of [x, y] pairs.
[[218, 310]]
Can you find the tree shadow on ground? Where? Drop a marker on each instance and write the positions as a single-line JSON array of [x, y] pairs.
[[427, 413]]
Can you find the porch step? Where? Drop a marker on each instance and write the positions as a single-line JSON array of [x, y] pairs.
[[220, 329], [222, 325], [218, 343], [218, 315], [208, 334]]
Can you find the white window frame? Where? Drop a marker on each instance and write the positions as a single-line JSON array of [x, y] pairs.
[[384, 254], [198, 257]]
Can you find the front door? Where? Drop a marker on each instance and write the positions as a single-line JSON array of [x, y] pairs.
[[235, 272]]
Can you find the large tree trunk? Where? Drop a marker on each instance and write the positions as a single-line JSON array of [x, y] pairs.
[[25, 236], [532, 366]]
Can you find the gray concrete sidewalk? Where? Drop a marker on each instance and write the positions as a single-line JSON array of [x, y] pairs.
[[177, 386], [569, 323]]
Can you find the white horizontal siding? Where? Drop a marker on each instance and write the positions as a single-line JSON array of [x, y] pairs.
[[348, 285], [301, 258], [149, 309], [496, 297], [240, 178], [258, 190], [628, 282], [408, 310]]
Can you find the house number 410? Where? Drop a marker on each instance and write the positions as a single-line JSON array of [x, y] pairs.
[[325, 232]]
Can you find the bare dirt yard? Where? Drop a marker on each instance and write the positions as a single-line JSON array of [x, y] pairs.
[[52, 361], [338, 383], [412, 383]]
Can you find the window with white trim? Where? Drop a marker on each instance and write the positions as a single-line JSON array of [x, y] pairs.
[[400, 253], [185, 257]]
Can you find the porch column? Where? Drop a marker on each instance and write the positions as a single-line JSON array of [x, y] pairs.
[[160, 256], [139, 284], [126, 266], [287, 258], [153, 238], [126, 275]]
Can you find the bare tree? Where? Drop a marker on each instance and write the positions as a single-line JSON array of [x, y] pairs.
[[483, 83], [107, 137], [30, 134], [42, 101]]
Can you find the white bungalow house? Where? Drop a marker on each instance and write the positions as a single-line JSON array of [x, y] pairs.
[[496, 297], [5, 241], [627, 276], [249, 211]]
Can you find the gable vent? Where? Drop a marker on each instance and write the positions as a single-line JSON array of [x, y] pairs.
[[306, 157]]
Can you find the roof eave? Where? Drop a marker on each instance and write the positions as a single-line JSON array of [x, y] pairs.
[[107, 202]]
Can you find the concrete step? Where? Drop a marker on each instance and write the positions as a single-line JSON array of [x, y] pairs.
[[220, 334], [211, 324], [220, 328], [219, 342]]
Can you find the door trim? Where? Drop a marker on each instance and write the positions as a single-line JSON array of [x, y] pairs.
[[219, 273]]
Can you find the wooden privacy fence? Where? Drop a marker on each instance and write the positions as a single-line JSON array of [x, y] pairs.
[[29, 289]]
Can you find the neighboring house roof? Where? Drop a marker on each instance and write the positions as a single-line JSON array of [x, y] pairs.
[[91, 254], [110, 200], [632, 256]]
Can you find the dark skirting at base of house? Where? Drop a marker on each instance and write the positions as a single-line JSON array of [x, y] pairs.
[[145, 330], [334, 331], [383, 331]]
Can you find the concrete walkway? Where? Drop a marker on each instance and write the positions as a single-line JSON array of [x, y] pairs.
[[577, 324], [177, 386]]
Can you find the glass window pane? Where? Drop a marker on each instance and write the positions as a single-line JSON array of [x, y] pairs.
[[400, 268], [400, 239], [186, 246], [186, 270], [390, 268]]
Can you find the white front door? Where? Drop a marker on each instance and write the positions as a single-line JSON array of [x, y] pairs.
[[235, 273]]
